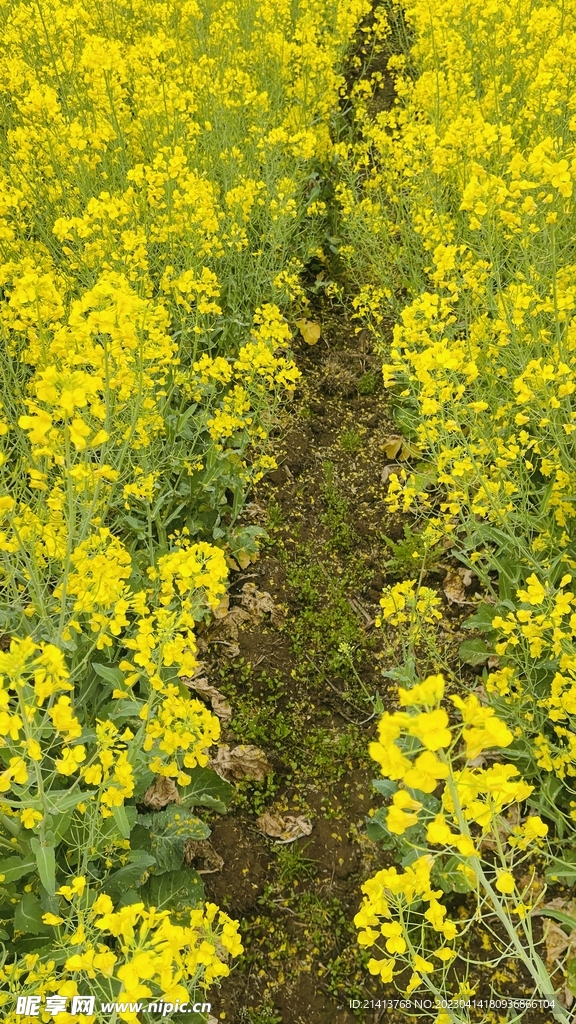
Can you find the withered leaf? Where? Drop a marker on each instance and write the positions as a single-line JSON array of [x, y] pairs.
[[556, 939], [220, 705], [455, 583], [162, 792], [309, 330], [392, 446], [222, 610], [286, 829], [202, 851], [230, 623], [259, 603], [242, 762], [387, 472]]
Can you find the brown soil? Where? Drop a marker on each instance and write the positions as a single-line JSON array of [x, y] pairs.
[[339, 858]]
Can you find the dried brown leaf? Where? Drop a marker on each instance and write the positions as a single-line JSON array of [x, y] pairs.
[[387, 472], [162, 792], [202, 850], [220, 705], [222, 608], [259, 603], [286, 829], [242, 762], [556, 939], [455, 583], [235, 618]]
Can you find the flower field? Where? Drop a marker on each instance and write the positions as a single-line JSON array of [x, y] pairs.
[[287, 294]]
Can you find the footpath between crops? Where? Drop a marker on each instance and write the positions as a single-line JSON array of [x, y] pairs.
[[290, 667], [299, 660]]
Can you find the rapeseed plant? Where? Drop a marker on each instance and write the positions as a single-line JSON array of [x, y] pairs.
[[160, 195], [458, 214]]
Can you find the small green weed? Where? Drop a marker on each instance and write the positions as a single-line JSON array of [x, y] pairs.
[[261, 1015], [293, 864], [276, 516], [369, 383], [342, 535], [351, 441], [409, 555]]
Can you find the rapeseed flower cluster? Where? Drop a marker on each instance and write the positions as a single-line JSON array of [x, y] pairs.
[[445, 812], [457, 199]]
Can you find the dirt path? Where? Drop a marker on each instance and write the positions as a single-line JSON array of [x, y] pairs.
[[300, 682]]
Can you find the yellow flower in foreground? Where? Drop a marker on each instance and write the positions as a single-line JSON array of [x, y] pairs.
[[505, 883], [385, 968], [431, 728], [52, 919], [73, 757], [400, 815], [30, 818], [76, 889], [395, 942], [424, 966]]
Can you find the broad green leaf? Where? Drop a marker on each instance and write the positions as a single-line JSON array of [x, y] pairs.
[[169, 831], [482, 618], [109, 673], [125, 820], [60, 823], [14, 868], [46, 863], [175, 821], [125, 709], [377, 830], [207, 789], [28, 916], [175, 890], [131, 876], [386, 787], [562, 870], [60, 800], [474, 652]]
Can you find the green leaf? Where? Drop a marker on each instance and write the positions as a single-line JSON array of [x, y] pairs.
[[28, 916], [386, 787], [60, 800], [482, 619], [109, 673], [46, 863], [448, 876], [169, 831], [207, 789], [175, 890], [474, 652], [14, 868], [125, 709], [131, 876], [562, 870], [60, 823], [125, 818], [175, 821], [377, 830]]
